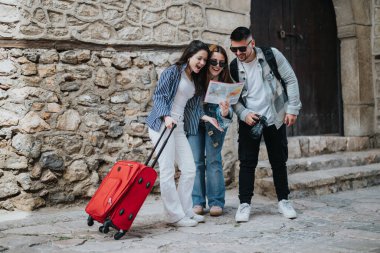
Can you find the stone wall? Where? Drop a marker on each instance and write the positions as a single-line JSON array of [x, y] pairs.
[[76, 79], [376, 55]]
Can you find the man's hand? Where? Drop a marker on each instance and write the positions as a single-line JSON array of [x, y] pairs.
[[169, 122], [224, 108], [290, 119], [251, 118]]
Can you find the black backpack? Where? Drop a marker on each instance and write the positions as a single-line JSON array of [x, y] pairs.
[[271, 60]]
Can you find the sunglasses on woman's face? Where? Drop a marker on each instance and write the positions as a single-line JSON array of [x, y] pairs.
[[241, 49], [214, 62]]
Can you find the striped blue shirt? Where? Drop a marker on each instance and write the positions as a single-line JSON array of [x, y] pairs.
[[163, 98]]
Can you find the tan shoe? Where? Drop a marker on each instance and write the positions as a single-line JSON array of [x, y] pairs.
[[216, 211], [197, 209]]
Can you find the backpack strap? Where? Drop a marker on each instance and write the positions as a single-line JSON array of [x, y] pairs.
[[234, 70], [271, 60]]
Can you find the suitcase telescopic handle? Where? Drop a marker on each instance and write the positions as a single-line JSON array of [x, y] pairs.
[[162, 147]]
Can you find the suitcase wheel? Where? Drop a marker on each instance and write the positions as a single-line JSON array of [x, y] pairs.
[[104, 229], [107, 224], [90, 221], [119, 234]]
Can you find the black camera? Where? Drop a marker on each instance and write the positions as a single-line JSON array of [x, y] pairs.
[[257, 130]]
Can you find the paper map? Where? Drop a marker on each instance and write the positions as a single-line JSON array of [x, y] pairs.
[[218, 92]]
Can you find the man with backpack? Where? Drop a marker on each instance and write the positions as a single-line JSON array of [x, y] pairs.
[[269, 102]]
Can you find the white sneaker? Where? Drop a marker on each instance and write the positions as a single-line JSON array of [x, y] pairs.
[[185, 222], [286, 208], [243, 212], [198, 218]]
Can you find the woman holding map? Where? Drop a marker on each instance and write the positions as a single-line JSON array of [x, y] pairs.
[[207, 143], [177, 103]]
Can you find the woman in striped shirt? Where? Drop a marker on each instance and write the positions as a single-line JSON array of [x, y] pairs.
[[177, 100]]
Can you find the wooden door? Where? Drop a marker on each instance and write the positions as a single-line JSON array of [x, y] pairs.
[[305, 32]]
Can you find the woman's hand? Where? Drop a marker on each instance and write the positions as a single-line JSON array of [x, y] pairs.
[[224, 106], [169, 122], [212, 121]]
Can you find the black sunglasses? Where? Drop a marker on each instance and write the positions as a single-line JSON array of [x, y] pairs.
[[214, 62], [241, 49]]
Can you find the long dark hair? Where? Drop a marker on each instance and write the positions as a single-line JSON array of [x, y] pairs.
[[224, 76], [199, 78]]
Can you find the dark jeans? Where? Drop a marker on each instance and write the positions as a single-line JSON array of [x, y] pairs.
[[277, 147]]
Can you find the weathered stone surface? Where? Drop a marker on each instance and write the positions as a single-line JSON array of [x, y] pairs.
[[120, 97], [7, 67], [94, 121], [122, 61], [8, 13], [48, 177], [115, 130], [36, 171], [175, 13], [8, 118], [10, 160], [96, 139], [194, 16], [52, 161], [76, 171], [27, 202], [24, 180], [69, 121], [46, 70], [69, 86], [32, 123], [164, 32], [53, 107], [104, 77], [27, 145], [8, 186], [89, 100], [48, 57]]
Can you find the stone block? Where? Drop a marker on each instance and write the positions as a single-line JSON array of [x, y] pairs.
[[216, 20], [242, 6], [357, 143], [343, 12], [362, 12], [365, 66], [27, 145], [69, 121], [8, 13], [8, 186], [27, 202], [32, 123], [358, 120], [10, 160], [52, 161], [7, 67], [350, 71], [76, 171], [336, 143]]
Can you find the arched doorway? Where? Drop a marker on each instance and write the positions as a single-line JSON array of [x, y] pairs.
[[306, 33]]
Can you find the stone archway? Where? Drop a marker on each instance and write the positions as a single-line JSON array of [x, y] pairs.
[[354, 26]]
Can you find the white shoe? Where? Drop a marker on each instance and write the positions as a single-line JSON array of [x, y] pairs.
[[198, 218], [185, 222], [243, 212], [286, 208]]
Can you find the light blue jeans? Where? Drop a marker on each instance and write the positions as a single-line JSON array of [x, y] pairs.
[[209, 179]]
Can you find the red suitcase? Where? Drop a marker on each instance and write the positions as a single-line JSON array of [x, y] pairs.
[[122, 193]]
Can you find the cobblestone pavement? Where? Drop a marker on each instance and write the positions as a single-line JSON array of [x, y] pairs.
[[342, 222]]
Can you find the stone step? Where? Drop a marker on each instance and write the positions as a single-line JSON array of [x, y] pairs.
[[304, 146], [322, 162], [324, 181]]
